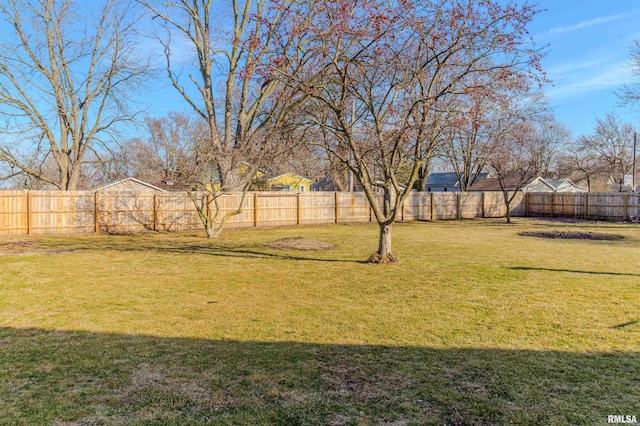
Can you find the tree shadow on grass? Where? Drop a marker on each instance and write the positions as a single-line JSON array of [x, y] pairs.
[[573, 271], [69, 377], [212, 248]]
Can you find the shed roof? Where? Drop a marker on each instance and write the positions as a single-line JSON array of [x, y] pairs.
[[449, 179], [111, 186]]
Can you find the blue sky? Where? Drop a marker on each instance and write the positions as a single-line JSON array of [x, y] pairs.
[[587, 60], [589, 52]]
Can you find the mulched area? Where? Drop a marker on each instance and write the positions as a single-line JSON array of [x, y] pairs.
[[573, 235], [299, 243]]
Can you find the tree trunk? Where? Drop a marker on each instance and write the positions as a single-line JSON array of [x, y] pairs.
[[384, 255], [210, 230], [507, 203], [230, 179], [423, 175]]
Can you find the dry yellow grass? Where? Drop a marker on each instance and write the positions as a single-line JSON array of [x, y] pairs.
[[476, 324]]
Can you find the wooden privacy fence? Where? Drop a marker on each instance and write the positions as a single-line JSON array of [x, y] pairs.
[[611, 206], [60, 212]]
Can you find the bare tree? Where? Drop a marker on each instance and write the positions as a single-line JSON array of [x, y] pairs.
[[238, 47], [160, 155], [611, 142], [383, 73], [66, 79], [476, 120], [582, 164], [551, 137], [629, 94], [513, 160]]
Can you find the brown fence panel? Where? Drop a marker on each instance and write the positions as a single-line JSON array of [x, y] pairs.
[[417, 206], [58, 212], [444, 205], [175, 212], [318, 208], [125, 212], [469, 205], [14, 211], [353, 207], [277, 209]]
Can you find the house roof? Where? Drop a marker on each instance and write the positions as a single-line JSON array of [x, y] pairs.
[[325, 184], [328, 183], [557, 182], [492, 184], [289, 174], [449, 179], [125, 180], [562, 183], [442, 179], [539, 185]]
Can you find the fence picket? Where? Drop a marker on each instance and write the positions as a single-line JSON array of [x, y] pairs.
[[59, 212]]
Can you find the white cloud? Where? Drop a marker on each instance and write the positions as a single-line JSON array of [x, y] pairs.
[[584, 24], [584, 80], [569, 68]]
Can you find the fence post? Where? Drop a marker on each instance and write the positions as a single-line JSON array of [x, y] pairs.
[[96, 219], [298, 212], [29, 207], [431, 208], [626, 207], [458, 213], [482, 212], [526, 204], [155, 212], [553, 200], [586, 206], [337, 206], [255, 209]]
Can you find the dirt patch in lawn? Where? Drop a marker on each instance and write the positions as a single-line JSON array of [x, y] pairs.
[[26, 247], [18, 245], [300, 243], [573, 235]]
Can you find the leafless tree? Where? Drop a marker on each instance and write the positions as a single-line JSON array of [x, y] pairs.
[[629, 94], [476, 120], [581, 164], [551, 137], [611, 142], [238, 48], [67, 76], [160, 155], [513, 160]]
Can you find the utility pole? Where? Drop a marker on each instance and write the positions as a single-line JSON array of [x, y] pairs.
[[633, 172]]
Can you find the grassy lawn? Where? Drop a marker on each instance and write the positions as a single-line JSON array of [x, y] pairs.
[[475, 325]]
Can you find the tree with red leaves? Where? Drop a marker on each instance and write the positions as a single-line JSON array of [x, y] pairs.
[[384, 78]]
